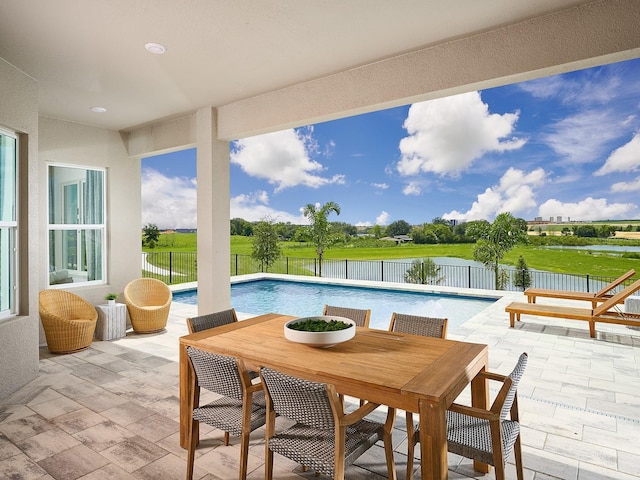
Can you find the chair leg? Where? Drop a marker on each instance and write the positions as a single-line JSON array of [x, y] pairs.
[[244, 455], [411, 444], [193, 442], [517, 450], [226, 439], [270, 427], [339, 452], [496, 445]]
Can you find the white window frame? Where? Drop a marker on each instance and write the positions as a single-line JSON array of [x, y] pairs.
[[78, 227], [12, 225]]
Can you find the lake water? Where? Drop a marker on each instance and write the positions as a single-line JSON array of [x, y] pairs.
[[307, 299], [608, 248]]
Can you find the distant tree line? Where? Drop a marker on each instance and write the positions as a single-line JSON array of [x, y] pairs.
[[590, 231], [438, 231]]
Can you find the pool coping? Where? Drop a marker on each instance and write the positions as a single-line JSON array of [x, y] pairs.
[[411, 287]]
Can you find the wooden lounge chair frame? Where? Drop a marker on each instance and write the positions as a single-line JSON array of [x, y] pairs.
[[599, 296], [606, 312]]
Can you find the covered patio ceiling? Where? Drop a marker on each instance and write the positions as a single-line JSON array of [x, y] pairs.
[[234, 54]]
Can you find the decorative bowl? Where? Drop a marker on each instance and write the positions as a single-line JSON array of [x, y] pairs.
[[320, 339]]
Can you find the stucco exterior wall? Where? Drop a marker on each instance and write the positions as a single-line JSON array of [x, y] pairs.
[[73, 144], [19, 334], [571, 39]]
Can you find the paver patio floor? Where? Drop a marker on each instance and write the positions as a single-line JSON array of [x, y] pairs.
[[111, 411]]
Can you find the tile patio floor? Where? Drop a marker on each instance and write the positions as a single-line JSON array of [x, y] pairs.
[[111, 411]]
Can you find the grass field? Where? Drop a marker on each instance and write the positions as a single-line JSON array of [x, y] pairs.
[[578, 261]]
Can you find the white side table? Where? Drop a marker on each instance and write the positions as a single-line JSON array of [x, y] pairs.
[[112, 321]]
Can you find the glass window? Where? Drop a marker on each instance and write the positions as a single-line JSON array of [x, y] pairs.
[[76, 225], [8, 222]]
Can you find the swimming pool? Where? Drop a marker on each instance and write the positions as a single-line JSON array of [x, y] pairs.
[[307, 299]]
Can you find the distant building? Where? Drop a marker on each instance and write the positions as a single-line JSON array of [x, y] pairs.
[[559, 219]]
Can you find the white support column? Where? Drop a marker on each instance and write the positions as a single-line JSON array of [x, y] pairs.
[[214, 291]]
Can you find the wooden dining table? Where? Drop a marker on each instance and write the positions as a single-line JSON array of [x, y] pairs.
[[418, 374]]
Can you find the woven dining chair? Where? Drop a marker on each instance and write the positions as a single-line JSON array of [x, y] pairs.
[[211, 320], [488, 436], [360, 316], [240, 410], [148, 303], [427, 327], [323, 439], [417, 325], [69, 321]]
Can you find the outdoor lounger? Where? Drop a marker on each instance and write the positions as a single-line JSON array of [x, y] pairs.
[[606, 312], [594, 298]]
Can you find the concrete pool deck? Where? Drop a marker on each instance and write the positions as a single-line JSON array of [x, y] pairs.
[[111, 411]]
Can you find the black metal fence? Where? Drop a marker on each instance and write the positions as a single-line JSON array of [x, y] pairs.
[[181, 267]]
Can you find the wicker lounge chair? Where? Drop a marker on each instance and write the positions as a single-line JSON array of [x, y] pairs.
[[323, 438], [148, 301], [360, 316], [489, 436], [69, 321], [599, 296], [606, 312], [239, 410], [427, 327]]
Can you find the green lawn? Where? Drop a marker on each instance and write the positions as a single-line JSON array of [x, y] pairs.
[[553, 260]]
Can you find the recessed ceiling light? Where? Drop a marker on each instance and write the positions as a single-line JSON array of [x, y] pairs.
[[156, 48], [98, 109]]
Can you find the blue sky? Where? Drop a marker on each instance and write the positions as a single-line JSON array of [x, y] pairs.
[[566, 145]]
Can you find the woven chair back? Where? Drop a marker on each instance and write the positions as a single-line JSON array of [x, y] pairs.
[[147, 292], [417, 325], [211, 320], [216, 373], [359, 316], [300, 400], [515, 376], [66, 305]]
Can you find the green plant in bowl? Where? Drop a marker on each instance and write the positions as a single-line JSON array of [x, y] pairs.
[[320, 331], [319, 325]]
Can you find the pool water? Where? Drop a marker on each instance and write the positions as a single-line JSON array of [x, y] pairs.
[[307, 299]]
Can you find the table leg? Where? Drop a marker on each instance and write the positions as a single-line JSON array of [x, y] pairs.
[[433, 441], [480, 399], [186, 391]]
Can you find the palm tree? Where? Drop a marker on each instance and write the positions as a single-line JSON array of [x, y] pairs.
[[319, 226], [495, 240]]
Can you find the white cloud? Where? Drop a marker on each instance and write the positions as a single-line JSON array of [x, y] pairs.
[[383, 218], [633, 186], [412, 188], [254, 206], [583, 138], [283, 159], [168, 202], [623, 159], [514, 193], [587, 209], [380, 186], [447, 134], [590, 88]]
